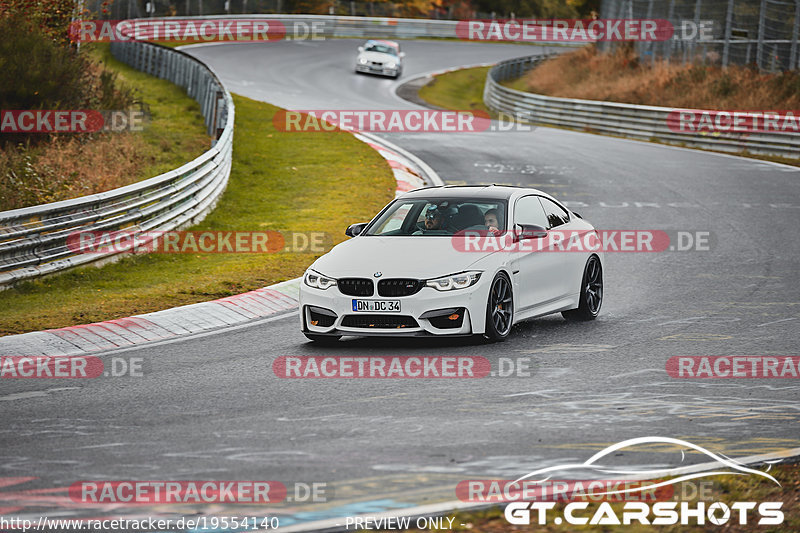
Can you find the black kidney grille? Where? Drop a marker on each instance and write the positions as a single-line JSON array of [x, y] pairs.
[[399, 287], [356, 286]]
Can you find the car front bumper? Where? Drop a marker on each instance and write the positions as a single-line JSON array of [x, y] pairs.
[[370, 69], [419, 315]]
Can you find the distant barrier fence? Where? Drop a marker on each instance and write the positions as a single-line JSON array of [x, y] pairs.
[[626, 120], [764, 33], [325, 26], [33, 240]]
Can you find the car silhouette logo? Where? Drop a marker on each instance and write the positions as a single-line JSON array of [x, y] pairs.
[[378, 274]]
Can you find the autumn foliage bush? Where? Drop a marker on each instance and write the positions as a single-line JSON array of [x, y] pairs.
[[39, 69]]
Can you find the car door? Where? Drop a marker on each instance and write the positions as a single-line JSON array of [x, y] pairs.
[[536, 273], [568, 264]]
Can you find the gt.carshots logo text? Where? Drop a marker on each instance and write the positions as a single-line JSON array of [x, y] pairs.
[[540, 505], [565, 30], [657, 514]]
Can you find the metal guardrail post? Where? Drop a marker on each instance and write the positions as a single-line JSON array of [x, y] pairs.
[[728, 23], [668, 43], [762, 27], [793, 62]]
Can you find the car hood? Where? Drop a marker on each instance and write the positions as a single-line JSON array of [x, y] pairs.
[[396, 257], [379, 57]]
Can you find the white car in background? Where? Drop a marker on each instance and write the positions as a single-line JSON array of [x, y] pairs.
[[380, 57], [406, 273]]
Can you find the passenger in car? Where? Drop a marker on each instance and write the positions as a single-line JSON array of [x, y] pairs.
[[490, 220]]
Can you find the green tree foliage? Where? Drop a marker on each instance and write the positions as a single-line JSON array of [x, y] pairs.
[[48, 17]]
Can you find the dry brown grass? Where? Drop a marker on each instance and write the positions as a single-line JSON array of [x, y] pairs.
[[62, 168], [620, 77]]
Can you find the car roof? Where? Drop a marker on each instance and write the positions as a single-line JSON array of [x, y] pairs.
[[381, 41], [473, 191]]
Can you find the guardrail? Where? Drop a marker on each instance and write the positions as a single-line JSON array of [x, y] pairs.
[[627, 120], [33, 240], [306, 26]]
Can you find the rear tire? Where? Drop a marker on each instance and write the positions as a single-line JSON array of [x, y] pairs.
[[591, 298], [323, 339], [499, 309]]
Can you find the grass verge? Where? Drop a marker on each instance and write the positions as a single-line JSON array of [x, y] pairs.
[[726, 489], [460, 89], [175, 131], [279, 181]]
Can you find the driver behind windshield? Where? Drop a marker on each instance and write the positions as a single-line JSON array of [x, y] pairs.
[[381, 48], [436, 221], [434, 218]]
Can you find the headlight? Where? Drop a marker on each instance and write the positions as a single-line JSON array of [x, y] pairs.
[[391, 64], [362, 60], [462, 280], [318, 281]]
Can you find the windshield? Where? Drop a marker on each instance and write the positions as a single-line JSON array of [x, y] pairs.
[[382, 48], [439, 216]]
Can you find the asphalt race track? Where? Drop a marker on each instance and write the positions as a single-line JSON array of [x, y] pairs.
[[210, 407]]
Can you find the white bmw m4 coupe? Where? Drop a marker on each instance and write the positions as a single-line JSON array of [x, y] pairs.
[[455, 260]]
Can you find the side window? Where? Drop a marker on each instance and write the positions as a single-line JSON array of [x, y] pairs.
[[528, 210], [556, 215]]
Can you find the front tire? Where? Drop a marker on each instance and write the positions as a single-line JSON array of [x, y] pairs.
[[499, 309], [323, 339], [591, 298]]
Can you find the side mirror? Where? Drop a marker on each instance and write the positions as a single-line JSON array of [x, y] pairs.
[[577, 214], [402, 54], [528, 231], [355, 229], [360, 48]]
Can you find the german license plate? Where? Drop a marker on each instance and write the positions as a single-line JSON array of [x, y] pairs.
[[376, 306]]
